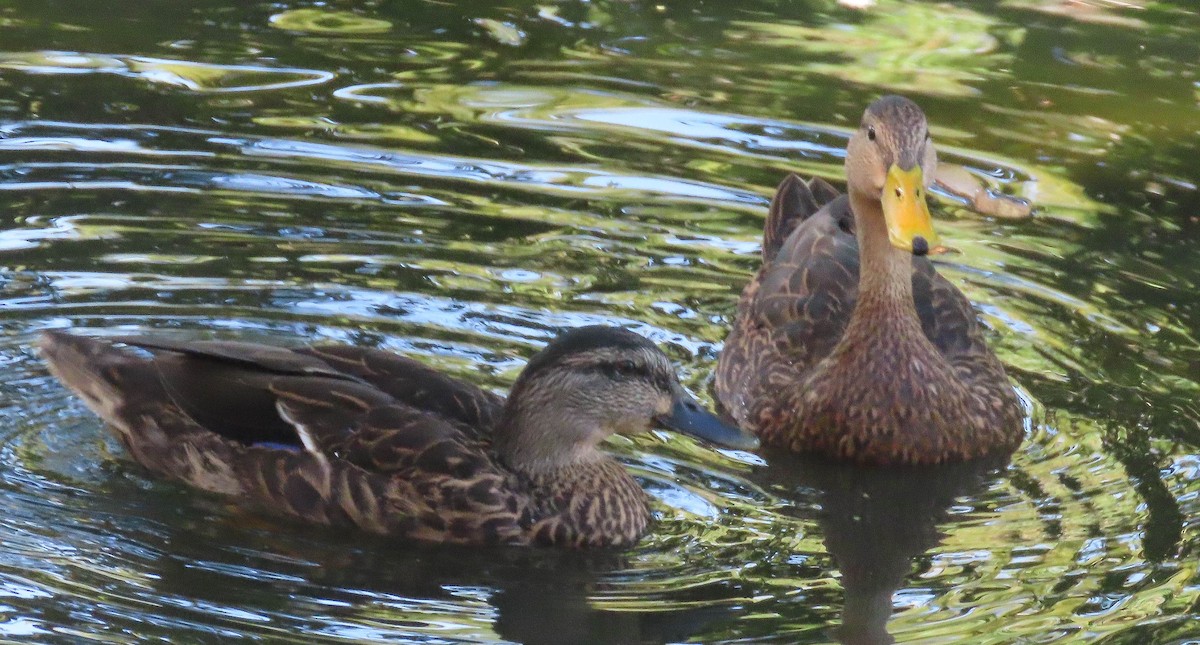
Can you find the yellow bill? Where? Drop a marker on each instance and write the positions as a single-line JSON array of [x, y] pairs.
[[905, 211]]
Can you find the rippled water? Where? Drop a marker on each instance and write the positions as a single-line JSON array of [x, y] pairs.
[[459, 180]]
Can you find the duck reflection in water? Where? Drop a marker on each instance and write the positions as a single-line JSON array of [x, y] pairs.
[[539, 597], [362, 584], [875, 522]]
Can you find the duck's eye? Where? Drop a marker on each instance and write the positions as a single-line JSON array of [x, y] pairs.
[[871, 132], [625, 368]]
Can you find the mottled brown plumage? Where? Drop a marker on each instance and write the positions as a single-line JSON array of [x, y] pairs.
[[869, 357], [347, 436]]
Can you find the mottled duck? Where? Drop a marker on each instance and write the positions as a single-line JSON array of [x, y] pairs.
[[340, 435], [847, 343]]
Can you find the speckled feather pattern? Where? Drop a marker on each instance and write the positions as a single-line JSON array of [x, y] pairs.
[[786, 374], [392, 447]]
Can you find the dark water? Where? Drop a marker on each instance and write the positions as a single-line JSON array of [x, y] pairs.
[[459, 180]]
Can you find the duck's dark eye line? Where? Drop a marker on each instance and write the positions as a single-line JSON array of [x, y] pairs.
[[871, 132], [630, 370], [622, 369]]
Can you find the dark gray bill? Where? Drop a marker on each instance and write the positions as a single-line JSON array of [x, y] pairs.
[[689, 417]]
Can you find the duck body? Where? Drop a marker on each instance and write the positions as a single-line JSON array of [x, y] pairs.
[[845, 346], [346, 436]]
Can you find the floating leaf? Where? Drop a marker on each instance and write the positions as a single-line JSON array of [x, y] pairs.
[[504, 33]]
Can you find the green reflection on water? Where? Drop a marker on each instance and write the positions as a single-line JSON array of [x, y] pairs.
[[900, 46], [328, 22]]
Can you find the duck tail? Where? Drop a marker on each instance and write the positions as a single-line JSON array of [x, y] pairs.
[[794, 202], [126, 391], [93, 368], [109, 380]]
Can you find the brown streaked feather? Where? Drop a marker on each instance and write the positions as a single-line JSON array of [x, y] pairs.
[[794, 313], [608, 518], [339, 436]]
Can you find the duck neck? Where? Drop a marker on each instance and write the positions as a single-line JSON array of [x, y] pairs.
[[540, 439], [885, 278], [578, 496]]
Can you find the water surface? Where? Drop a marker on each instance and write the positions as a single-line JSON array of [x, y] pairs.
[[458, 181]]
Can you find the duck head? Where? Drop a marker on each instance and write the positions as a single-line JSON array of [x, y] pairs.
[[890, 161], [592, 382]]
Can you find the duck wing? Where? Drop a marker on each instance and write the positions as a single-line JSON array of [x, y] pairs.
[[288, 431], [474, 410], [803, 295], [947, 317], [811, 277], [794, 203]]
